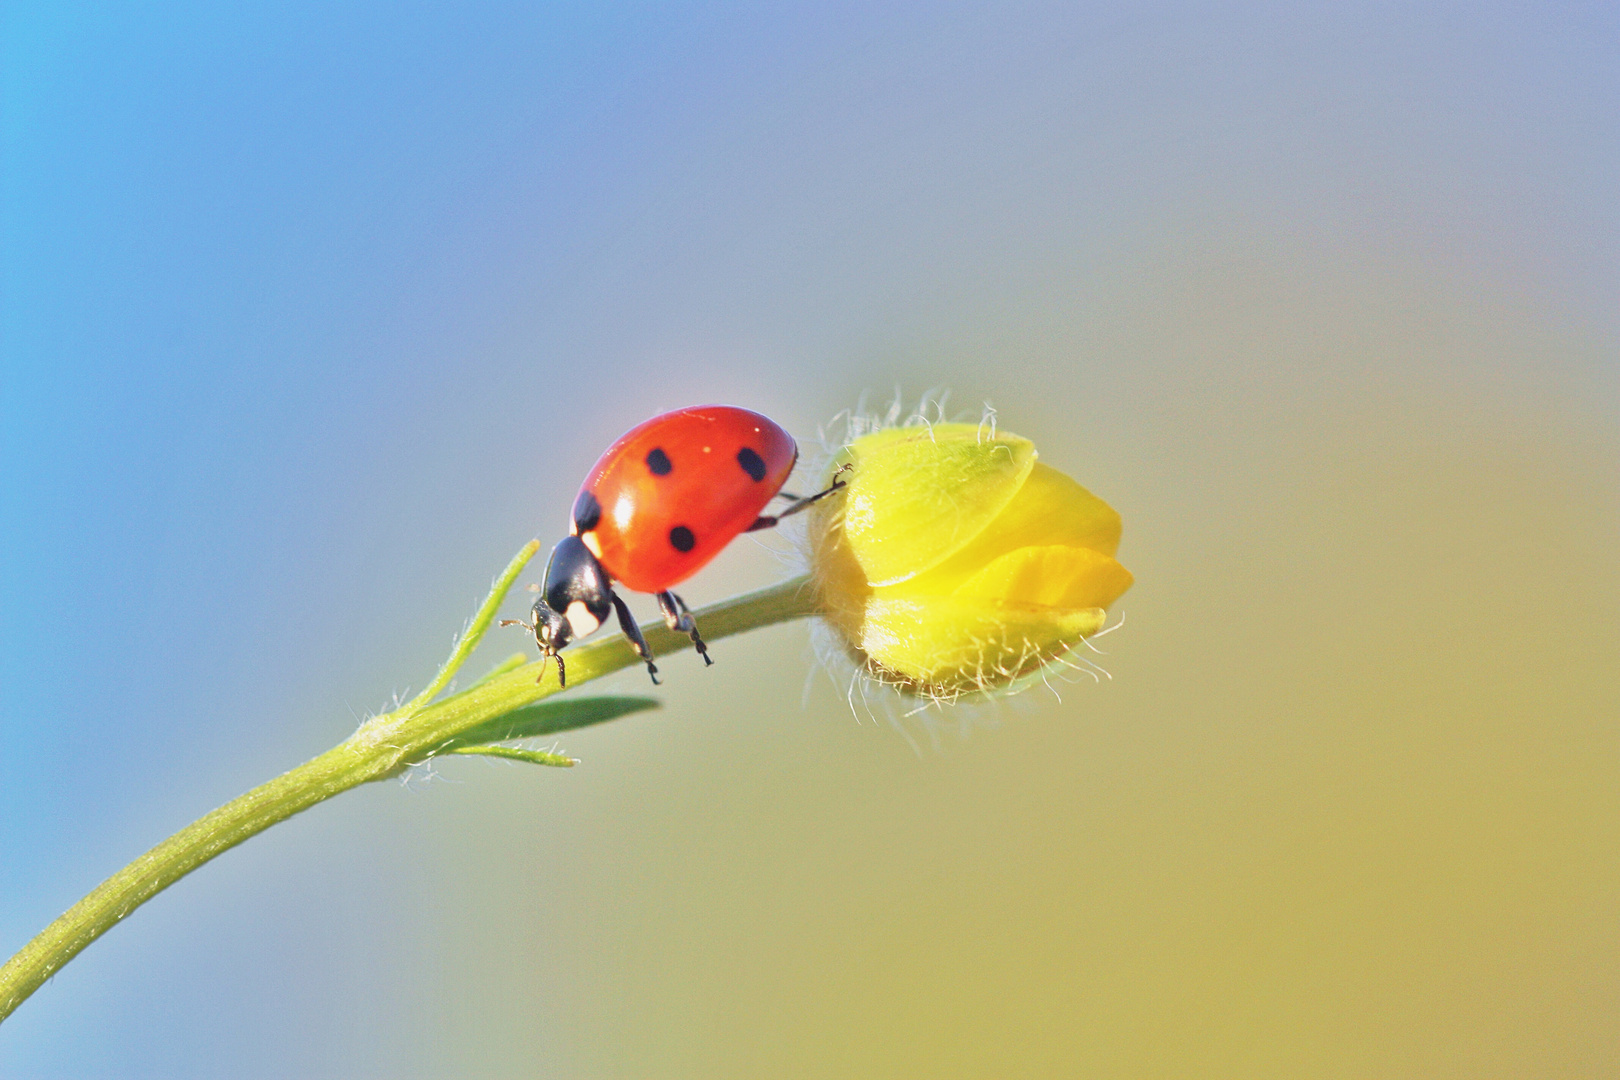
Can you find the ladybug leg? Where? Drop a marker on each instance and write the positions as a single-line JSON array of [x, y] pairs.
[[678, 617], [627, 623], [765, 521]]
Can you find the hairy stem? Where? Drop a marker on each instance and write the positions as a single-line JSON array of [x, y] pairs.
[[382, 747]]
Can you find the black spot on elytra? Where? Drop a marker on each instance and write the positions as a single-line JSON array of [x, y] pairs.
[[681, 538], [587, 513], [752, 464], [658, 461]]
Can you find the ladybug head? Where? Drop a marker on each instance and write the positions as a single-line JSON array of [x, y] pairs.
[[576, 598]]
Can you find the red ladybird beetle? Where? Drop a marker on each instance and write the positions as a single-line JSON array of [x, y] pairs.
[[659, 504]]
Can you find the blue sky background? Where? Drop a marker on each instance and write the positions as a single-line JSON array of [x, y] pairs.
[[311, 315]]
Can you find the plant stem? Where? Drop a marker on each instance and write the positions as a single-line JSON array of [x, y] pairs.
[[382, 747]]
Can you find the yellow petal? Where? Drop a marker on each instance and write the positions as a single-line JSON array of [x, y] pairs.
[[1048, 577], [1052, 509], [917, 495], [1049, 509]]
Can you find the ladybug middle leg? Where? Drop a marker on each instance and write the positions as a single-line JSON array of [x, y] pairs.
[[627, 623], [677, 616]]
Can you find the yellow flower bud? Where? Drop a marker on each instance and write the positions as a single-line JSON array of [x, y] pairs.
[[955, 562]]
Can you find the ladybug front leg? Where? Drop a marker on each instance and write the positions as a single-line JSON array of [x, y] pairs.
[[627, 623], [765, 521], [677, 616]]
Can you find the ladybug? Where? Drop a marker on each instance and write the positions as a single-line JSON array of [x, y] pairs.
[[658, 505]]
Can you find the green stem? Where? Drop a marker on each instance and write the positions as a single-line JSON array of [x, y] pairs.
[[382, 747]]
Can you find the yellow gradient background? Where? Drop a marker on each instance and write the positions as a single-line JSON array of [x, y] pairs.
[[1347, 807]]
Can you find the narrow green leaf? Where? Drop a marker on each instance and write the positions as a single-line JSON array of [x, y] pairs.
[[550, 717], [475, 629], [517, 753]]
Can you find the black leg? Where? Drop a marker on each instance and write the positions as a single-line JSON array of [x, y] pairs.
[[765, 521], [627, 623], [697, 642], [678, 617]]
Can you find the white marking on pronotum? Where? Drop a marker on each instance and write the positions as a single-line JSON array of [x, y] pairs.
[[580, 619], [589, 540]]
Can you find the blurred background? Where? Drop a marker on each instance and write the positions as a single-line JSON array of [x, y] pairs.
[[314, 314]]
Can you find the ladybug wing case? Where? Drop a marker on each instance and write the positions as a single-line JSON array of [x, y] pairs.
[[671, 493]]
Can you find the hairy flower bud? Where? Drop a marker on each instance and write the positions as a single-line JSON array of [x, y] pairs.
[[957, 563]]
